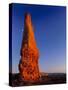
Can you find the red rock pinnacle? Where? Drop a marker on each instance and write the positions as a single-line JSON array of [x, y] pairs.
[[28, 66]]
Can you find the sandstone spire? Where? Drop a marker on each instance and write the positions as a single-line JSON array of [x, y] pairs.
[[28, 66]]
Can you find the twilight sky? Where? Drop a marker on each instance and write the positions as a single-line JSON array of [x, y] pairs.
[[50, 33]]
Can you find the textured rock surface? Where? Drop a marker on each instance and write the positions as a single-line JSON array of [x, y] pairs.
[[28, 65]]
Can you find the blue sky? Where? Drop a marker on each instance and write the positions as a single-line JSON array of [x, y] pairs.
[[50, 33]]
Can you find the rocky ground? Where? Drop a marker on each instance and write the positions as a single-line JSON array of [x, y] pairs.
[[55, 78]]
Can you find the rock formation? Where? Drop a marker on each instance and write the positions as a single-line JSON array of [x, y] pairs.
[[28, 65]]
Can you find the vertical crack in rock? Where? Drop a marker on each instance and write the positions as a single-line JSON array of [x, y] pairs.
[[28, 65]]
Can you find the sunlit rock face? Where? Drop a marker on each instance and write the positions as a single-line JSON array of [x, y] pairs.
[[28, 65]]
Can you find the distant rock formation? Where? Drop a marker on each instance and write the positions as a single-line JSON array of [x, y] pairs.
[[28, 65]]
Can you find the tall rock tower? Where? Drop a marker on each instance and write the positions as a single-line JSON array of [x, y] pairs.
[[28, 65]]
